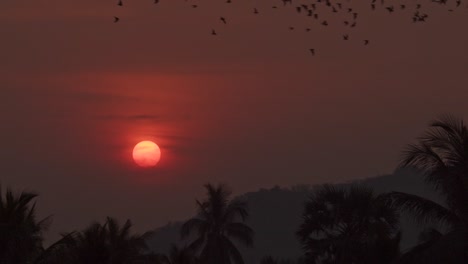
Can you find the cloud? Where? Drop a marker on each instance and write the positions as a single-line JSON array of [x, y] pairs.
[[139, 117], [102, 97]]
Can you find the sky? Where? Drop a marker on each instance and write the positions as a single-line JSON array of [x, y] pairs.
[[250, 107]]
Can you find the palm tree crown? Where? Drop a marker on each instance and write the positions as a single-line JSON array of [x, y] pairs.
[[218, 221], [107, 243], [348, 226], [441, 154], [21, 233]]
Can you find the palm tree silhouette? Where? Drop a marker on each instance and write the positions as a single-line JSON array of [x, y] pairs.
[[442, 156], [57, 253], [219, 220], [349, 226], [427, 239], [124, 247], [107, 243], [90, 245], [20, 232]]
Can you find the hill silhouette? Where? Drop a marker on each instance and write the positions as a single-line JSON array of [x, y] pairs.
[[275, 215]]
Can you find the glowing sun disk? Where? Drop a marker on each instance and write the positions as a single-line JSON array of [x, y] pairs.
[[146, 154]]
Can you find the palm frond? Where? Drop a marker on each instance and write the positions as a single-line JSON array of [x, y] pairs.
[[240, 232], [112, 226], [197, 244], [424, 210], [429, 234], [203, 210], [422, 157], [66, 240], [436, 247], [192, 225], [217, 200], [125, 230], [233, 252], [347, 225], [442, 155], [236, 208]]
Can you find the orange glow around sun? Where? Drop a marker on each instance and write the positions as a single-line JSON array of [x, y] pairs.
[[146, 154]]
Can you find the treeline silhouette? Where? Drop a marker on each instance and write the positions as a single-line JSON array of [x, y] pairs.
[[339, 224]]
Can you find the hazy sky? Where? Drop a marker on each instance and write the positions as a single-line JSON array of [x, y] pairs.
[[250, 107]]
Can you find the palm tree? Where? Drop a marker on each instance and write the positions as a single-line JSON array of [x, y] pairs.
[[91, 245], [442, 156], [109, 243], [21, 232], [218, 222], [123, 247], [416, 255], [348, 226], [58, 252]]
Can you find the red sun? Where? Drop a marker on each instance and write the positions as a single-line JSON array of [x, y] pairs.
[[146, 154]]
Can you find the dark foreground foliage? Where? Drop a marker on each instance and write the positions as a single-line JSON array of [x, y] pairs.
[[441, 154], [350, 225]]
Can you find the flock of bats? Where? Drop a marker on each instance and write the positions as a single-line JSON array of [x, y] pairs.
[[315, 9]]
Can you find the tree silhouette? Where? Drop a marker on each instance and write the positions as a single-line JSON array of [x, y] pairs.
[[20, 232], [349, 226], [107, 243], [90, 245], [219, 221], [442, 156], [56, 253]]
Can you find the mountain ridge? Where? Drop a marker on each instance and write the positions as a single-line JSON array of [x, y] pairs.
[[275, 215]]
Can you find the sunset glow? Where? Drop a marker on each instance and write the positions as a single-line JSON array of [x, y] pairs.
[[252, 119], [146, 154]]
